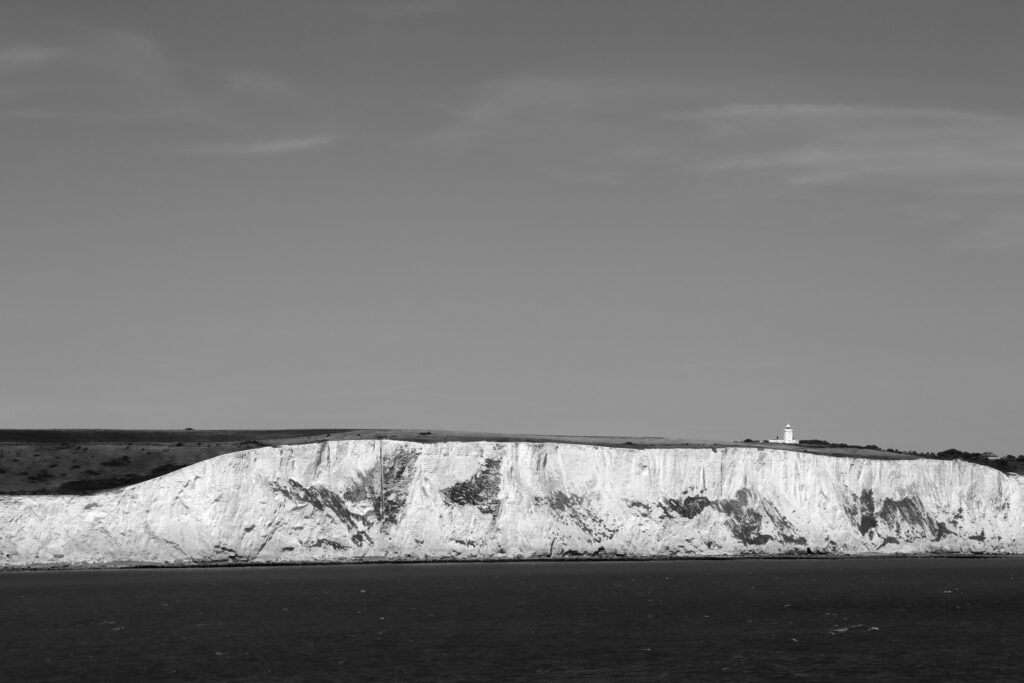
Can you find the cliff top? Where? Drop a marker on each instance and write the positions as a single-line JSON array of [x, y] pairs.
[[39, 461]]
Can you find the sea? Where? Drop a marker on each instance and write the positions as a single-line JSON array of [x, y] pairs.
[[700, 620]]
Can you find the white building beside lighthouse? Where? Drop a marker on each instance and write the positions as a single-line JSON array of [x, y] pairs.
[[787, 436]]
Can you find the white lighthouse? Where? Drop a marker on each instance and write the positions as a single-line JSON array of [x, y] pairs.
[[787, 436]]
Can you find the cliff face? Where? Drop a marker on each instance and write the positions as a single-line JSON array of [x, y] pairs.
[[343, 500]]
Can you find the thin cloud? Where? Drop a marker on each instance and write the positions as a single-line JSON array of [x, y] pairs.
[[528, 106], [101, 76], [170, 112], [578, 131], [265, 147], [602, 130], [258, 83], [25, 56], [823, 145], [127, 55], [775, 113], [111, 77]]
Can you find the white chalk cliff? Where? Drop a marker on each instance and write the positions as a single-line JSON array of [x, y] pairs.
[[371, 499]]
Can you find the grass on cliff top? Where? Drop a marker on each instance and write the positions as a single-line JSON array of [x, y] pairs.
[[53, 461]]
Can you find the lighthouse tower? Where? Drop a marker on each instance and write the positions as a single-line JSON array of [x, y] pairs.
[[787, 436]]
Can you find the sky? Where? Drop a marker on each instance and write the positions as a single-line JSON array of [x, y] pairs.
[[655, 217]]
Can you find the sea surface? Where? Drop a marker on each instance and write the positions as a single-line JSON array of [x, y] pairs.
[[815, 619]]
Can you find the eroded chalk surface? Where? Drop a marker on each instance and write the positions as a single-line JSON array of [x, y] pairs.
[[360, 499]]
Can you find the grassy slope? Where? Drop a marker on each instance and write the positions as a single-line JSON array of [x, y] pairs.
[[83, 461]]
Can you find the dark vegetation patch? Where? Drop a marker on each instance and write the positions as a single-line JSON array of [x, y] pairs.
[[69, 437], [688, 507], [904, 512], [162, 470], [324, 499], [227, 550], [561, 501], [1007, 463], [786, 531], [364, 488], [84, 461], [909, 510], [835, 444], [746, 514], [95, 485], [397, 475], [744, 520], [579, 513], [640, 504], [1011, 464], [480, 490], [867, 512]]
